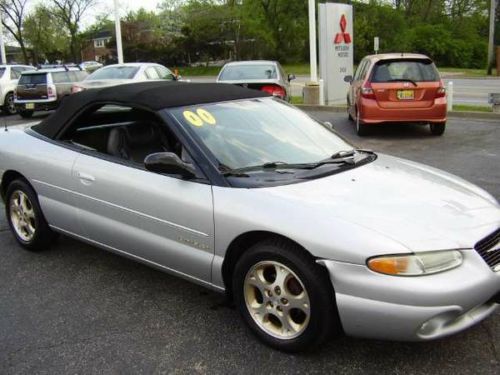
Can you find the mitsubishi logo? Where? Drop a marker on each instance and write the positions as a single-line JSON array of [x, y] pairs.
[[342, 36]]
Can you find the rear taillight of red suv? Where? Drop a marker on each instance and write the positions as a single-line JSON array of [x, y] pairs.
[[441, 92], [367, 91]]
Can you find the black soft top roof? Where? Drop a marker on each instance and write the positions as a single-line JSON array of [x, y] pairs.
[[153, 96]]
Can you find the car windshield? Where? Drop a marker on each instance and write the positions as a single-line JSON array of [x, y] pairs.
[[33, 79], [114, 72], [254, 132], [244, 72], [2, 71], [413, 70]]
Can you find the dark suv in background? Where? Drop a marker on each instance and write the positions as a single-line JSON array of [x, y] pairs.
[[43, 89]]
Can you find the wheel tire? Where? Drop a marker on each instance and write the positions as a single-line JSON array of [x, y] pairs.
[[26, 114], [8, 106], [42, 236], [349, 110], [314, 326], [361, 128], [437, 128]]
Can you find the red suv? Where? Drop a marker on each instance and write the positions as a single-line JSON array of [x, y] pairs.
[[398, 88]]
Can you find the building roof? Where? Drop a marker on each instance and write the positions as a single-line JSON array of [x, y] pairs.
[[152, 96], [103, 34]]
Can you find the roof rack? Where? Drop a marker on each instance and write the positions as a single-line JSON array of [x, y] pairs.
[[55, 66]]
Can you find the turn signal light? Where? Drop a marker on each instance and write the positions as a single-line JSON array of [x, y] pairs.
[[418, 264]]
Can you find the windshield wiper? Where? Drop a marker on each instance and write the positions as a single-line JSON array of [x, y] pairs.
[[404, 80], [340, 157]]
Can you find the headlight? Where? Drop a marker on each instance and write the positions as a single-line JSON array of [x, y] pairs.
[[416, 264]]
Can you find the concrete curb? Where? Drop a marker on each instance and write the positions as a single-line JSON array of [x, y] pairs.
[[456, 114]]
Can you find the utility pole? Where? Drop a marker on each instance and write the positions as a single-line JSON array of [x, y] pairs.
[[118, 34], [312, 41], [2, 44], [491, 39]]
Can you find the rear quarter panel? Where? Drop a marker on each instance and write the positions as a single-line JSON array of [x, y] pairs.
[[47, 167]]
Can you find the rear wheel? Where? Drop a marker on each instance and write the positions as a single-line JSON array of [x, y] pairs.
[[349, 116], [361, 128], [25, 217], [26, 114], [8, 106], [438, 128], [284, 296]]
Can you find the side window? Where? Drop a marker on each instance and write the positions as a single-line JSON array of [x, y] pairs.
[[60, 77], [15, 73], [359, 69], [125, 133], [366, 68], [164, 73], [151, 73]]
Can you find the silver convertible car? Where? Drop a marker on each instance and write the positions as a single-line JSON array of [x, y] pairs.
[[245, 194]]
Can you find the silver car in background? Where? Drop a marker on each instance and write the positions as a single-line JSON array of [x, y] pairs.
[[118, 74], [267, 76], [245, 194]]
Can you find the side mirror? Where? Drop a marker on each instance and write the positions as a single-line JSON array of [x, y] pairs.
[[291, 77], [329, 125], [169, 163], [348, 79]]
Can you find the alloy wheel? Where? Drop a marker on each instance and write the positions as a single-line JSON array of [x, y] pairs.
[[277, 300], [22, 216]]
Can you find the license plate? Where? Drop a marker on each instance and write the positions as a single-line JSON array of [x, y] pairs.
[[30, 105], [406, 94]]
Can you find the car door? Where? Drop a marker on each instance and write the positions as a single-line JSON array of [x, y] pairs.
[[162, 220]]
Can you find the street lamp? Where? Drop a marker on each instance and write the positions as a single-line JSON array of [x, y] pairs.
[[118, 34]]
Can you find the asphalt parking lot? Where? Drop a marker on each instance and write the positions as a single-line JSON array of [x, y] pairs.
[[77, 309]]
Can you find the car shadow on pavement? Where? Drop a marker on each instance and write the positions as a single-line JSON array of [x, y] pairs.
[[75, 304]]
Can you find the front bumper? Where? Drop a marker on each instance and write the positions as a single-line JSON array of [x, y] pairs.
[[373, 305], [372, 113]]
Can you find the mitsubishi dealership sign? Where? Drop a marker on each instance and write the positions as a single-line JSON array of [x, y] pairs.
[[335, 49]]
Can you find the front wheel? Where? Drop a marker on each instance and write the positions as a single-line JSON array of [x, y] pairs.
[[25, 217], [26, 114], [284, 296], [438, 128]]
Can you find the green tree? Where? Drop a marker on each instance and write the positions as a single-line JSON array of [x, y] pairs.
[[43, 34]]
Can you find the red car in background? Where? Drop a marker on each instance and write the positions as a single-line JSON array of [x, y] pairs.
[[397, 88]]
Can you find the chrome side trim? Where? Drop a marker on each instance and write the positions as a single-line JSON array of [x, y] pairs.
[[174, 225], [140, 259]]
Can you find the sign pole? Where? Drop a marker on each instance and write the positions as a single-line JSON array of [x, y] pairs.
[[118, 32], [491, 42], [376, 42], [312, 41]]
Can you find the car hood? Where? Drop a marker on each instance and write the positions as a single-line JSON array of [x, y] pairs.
[[420, 207]]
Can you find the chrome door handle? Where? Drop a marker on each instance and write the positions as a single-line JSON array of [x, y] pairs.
[[84, 177]]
